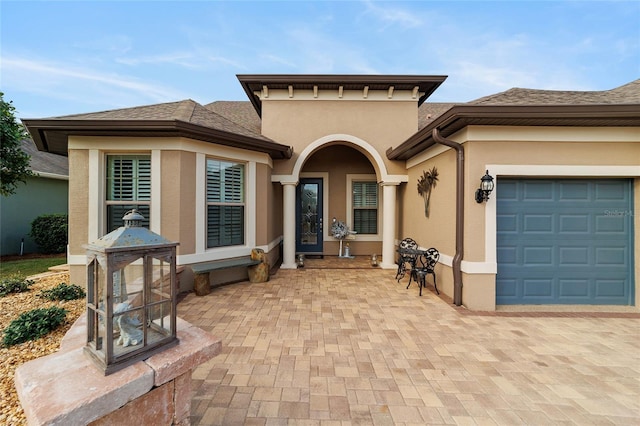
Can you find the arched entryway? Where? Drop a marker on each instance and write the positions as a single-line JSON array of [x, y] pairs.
[[336, 165]]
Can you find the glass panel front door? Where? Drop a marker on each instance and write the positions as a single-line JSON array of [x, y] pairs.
[[309, 216]]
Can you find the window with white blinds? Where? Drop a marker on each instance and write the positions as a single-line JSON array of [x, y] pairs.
[[225, 203], [128, 187], [365, 207]]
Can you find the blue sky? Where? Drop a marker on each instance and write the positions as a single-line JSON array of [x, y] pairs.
[[60, 58]]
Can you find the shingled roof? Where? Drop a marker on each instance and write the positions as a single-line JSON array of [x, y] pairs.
[[45, 163], [184, 118], [626, 94], [527, 107], [240, 112]]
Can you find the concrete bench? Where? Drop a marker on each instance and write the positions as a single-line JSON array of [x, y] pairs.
[[201, 271]]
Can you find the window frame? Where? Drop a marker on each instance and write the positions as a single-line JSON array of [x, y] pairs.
[[243, 203], [350, 180], [108, 188]]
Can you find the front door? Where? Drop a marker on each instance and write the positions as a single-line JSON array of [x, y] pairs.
[[309, 216]]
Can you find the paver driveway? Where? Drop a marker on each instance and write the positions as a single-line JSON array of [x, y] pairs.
[[353, 346]]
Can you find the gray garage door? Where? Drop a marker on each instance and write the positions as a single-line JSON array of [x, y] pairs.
[[564, 241]]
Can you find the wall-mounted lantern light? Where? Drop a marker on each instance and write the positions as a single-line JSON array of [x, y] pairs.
[[486, 186]]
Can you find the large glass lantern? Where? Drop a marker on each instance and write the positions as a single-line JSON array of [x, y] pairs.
[[131, 295]]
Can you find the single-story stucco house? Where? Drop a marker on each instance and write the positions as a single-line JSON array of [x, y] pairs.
[[274, 171], [46, 192]]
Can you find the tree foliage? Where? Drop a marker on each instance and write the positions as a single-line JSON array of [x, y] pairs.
[[14, 162]]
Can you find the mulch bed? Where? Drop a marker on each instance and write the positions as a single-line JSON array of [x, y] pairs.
[[11, 307]]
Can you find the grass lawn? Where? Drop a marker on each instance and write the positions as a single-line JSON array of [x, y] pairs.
[[29, 265]]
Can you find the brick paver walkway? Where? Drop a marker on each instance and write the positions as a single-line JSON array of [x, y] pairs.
[[349, 346]]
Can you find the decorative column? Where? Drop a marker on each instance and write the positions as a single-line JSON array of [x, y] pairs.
[[389, 190], [289, 225]]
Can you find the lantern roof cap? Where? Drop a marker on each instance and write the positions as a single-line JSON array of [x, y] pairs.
[[130, 236]]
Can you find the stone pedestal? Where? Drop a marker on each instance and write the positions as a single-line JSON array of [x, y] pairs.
[[66, 388]]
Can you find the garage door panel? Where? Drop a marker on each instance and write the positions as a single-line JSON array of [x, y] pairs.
[[537, 191], [537, 223], [574, 224], [508, 255], [574, 191], [610, 288], [607, 256], [538, 256], [573, 256], [610, 224], [507, 223], [559, 243], [574, 288], [509, 191], [508, 289], [538, 289], [610, 191]]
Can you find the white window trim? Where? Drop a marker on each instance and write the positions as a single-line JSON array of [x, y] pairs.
[[359, 178], [96, 209], [155, 207], [203, 253]]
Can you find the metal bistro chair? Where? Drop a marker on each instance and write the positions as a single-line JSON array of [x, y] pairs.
[[404, 257], [425, 265]]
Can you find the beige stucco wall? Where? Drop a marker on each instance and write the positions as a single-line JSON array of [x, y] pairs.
[[299, 123], [78, 206], [178, 199], [263, 187], [78, 200], [175, 212], [604, 149], [337, 161]]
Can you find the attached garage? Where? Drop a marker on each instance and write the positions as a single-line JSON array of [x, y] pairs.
[[565, 241]]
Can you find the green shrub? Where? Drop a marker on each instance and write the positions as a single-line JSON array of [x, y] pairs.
[[14, 284], [63, 292], [49, 231], [33, 324]]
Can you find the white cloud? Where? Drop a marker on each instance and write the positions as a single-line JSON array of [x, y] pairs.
[[58, 83], [276, 59], [226, 61], [182, 59], [392, 15], [116, 43]]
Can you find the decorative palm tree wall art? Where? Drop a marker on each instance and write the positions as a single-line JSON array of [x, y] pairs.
[[426, 183]]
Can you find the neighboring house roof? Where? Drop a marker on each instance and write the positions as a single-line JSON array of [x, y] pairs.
[[46, 164], [185, 118], [254, 83], [528, 107]]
